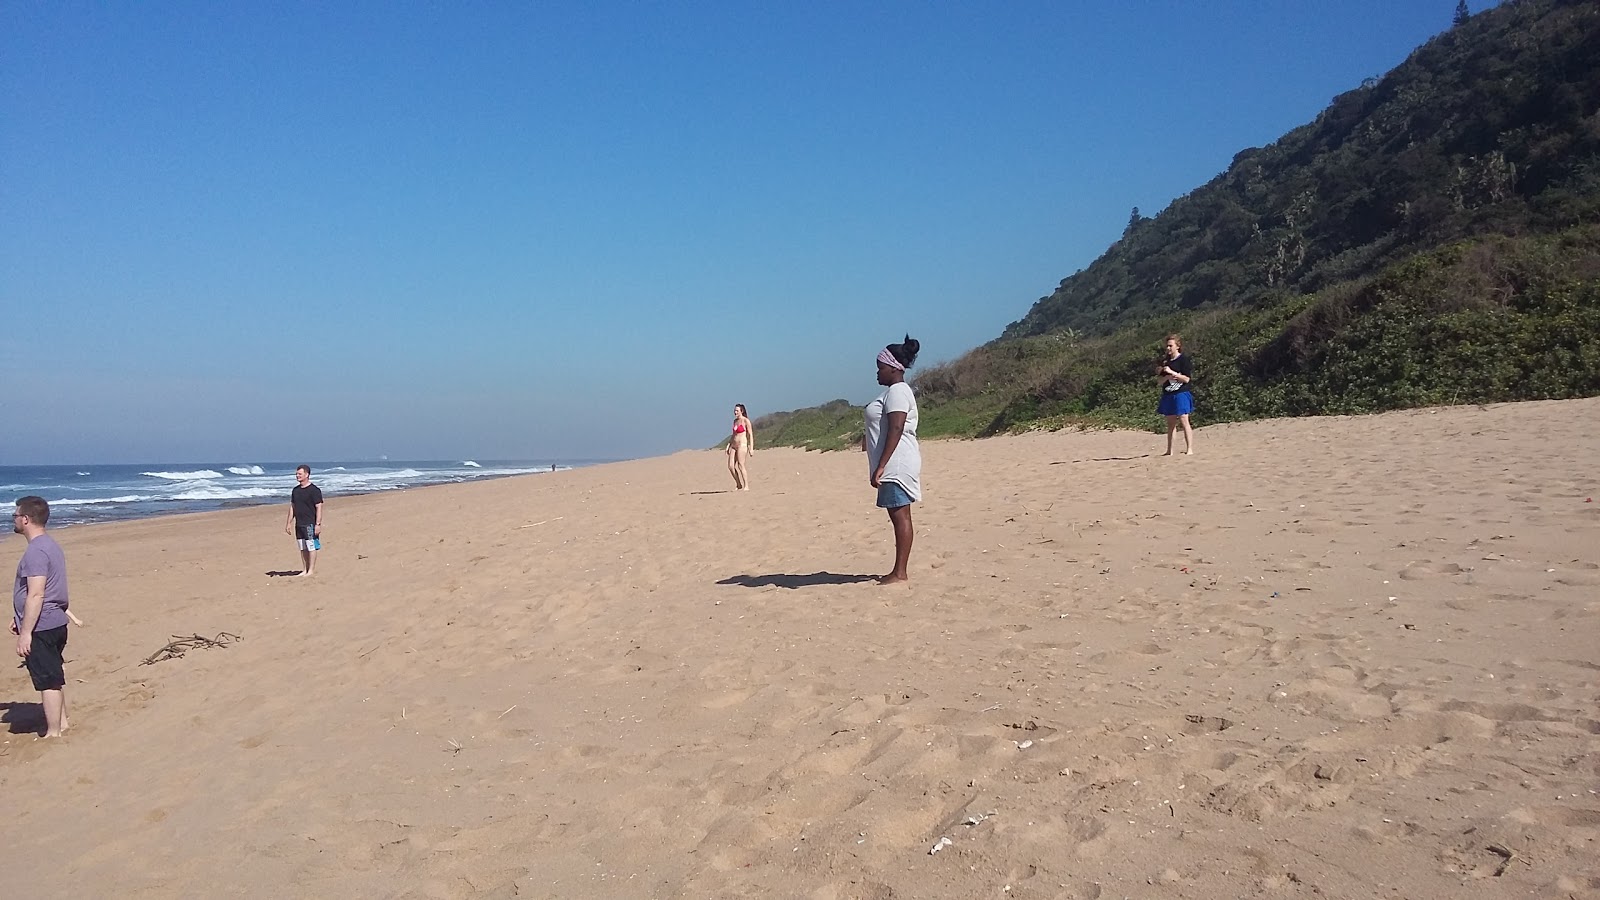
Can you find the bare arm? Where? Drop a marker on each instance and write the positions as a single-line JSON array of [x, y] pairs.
[[319, 519], [32, 608], [895, 428]]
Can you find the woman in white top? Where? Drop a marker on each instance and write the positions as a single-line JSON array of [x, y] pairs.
[[894, 461]]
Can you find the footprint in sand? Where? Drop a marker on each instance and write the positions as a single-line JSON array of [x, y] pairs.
[[1426, 569], [727, 699], [1198, 724], [901, 698]]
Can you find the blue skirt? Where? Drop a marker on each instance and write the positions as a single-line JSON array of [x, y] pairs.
[[1176, 403], [892, 496]]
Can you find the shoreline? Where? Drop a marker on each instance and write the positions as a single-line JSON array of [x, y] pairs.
[[1111, 674], [130, 492]]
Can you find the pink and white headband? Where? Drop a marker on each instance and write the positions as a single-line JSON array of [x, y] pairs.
[[888, 359]]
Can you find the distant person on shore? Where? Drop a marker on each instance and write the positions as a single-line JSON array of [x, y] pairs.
[[740, 446], [1177, 398], [40, 604], [894, 461], [305, 519]]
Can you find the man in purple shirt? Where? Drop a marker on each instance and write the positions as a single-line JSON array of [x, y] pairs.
[[40, 601]]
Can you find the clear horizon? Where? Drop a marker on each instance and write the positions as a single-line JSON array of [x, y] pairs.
[[581, 231]]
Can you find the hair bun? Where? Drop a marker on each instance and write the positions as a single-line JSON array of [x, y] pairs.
[[906, 351]]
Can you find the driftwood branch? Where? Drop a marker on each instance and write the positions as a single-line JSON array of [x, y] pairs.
[[181, 645]]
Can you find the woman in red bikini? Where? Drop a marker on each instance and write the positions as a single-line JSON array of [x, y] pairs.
[[740, 446]]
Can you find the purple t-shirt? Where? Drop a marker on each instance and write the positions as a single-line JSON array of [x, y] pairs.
[[43, 557]]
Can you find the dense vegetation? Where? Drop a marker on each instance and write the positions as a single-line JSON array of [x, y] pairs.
[[1430, 238]]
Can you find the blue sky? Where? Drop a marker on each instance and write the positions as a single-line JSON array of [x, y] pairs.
[[532, 230]]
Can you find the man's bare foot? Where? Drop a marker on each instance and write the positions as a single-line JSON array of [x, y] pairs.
[[1188, 453], [1168, 453], [892, 578]]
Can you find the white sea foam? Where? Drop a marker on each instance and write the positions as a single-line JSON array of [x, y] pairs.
[[129, 498], [372, 481], [129, 492], [85, 473], [208, 492]]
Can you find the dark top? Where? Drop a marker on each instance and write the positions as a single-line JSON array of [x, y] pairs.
[[1183, 367], [305, 500]]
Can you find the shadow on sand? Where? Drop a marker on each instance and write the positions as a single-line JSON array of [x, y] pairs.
[[23, 718], [285, 573], [1063, 462], [796, 581]]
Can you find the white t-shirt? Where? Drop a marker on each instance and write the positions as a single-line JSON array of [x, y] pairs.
[[905, 466]]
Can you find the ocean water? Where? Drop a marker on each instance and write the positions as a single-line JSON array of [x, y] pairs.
[[83, 494]]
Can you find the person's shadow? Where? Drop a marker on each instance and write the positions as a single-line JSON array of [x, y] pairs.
[[284, 573], [793, 582], [23, 718]]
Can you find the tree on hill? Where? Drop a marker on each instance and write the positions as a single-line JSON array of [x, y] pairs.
[[1462, 13], [1488, 128]]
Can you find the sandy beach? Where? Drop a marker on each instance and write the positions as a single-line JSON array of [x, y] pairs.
[[1334, 658]]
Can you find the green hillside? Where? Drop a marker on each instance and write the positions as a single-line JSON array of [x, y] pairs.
[[1430, 238]]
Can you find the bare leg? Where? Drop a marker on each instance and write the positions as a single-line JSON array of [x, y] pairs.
[[900, 517], [741, 460], [305, 562], [1188, 437], [1172, 426], [55, 712], [733, 467], [311, 562]]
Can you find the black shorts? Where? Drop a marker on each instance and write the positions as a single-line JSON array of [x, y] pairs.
[[45, 662]]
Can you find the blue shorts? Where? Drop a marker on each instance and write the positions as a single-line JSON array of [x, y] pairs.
[[1176, 403], [892, 496], [306, 537]]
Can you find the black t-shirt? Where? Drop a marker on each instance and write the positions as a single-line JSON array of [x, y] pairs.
[[1183, 367], [305, 500]]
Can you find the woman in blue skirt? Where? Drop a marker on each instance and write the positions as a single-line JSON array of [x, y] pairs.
[[1177, 398]]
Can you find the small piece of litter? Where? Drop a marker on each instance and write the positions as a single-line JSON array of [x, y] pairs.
[[940, 844]]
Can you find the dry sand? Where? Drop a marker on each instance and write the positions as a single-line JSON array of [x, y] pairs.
[[1339, 657]]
